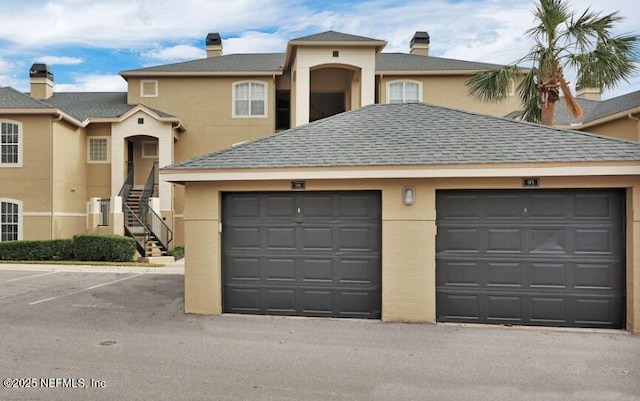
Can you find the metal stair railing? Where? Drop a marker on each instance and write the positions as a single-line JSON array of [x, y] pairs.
[[147, 223], [135, 228]]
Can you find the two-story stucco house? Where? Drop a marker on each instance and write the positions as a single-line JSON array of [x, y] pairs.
[[64, 154]]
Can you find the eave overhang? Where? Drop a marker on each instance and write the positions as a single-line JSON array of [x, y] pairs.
[[424, 171]]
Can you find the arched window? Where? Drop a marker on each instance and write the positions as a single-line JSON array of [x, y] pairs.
[[10, 220], [249, 99], [404, 92], [10, 144]]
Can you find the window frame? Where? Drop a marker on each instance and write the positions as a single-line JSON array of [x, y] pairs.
[[146, 155], [20, 146], [234, 87], [143, 82], [108, 150], [19, 223], [404, 92]]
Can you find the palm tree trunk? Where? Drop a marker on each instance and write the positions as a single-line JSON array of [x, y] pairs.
[[548, 116]]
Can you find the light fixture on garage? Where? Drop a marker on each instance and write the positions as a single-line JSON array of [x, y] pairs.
[[409, 196]]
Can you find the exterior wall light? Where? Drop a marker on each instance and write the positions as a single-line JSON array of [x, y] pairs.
[[409, 196]]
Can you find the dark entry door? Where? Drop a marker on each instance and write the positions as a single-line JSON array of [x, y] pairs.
[[302, 253], [536, 257]]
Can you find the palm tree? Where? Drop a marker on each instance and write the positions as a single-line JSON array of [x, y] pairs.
[[562, 39]]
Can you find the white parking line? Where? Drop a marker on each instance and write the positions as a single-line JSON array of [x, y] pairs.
[[85, 289], [26, 277]]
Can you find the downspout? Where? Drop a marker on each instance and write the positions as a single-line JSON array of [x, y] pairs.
[[51, 234]]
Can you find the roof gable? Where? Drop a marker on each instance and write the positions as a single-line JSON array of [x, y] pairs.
[[333, 36], [415, 134]]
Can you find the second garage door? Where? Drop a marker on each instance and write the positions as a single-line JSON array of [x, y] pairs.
[[302, 253], [535, 257]]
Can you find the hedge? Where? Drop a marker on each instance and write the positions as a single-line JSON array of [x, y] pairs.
[[57, 249], [104, 247]]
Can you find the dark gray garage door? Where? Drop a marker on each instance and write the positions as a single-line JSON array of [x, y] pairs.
[[302, 253], [536, 257]]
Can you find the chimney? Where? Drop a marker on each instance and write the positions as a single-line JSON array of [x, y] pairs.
[[41, 81], [589, 94], [214, 45], [420, 43]]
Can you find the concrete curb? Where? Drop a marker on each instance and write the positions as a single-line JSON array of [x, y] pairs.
[[173, 268]]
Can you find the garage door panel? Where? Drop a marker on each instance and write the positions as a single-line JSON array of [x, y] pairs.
[[504, 274], [356, 207], [548, 310], [596, 276], [280, 206], [279, 269], [545, 240], [558, 262], [459, 240], [243, 238], [280, 238], [363, 271], [504, 308], [312, 254], [241, 268], [280, 300], [596, 241], [547, 206], [316, 238], [596, 206], [460, 273], [504, 240], [315, 269], [245, 207], [548, 275], [502, 207]]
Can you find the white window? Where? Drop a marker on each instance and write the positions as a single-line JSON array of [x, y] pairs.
[[98, 149], [10, 144], [149, 149], [249, 99], [404, 92], [148, 88], [10, 227]]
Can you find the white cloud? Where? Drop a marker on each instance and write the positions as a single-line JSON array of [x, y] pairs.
[[160, 31], [175, 53], [94, 83], [60, 60]]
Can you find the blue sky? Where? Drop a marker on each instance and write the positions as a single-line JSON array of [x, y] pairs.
[[88, 42]]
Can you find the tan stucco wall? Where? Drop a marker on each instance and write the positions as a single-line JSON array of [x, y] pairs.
[[623, 128], [69, 180], [204, 105], [98, 176], [31, 184], [450, 91], [408, 238]]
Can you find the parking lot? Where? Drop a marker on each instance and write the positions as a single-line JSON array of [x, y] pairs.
[[104, 334]]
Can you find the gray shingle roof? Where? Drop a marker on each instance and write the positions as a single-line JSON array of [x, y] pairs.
[[250, 62], [415, 134], [593, 109], [333, 36], [414, 62], [82, 105], [13, 99]]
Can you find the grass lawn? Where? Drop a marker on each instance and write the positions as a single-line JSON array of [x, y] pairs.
[[78, 263]]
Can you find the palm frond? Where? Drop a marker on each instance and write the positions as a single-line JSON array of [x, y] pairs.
[[530, 97], [493, 85]]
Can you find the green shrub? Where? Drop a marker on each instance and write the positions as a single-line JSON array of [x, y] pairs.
[[58, 249], [104, 247], [177, 252]]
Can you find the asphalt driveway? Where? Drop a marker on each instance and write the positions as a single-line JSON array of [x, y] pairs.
[[122, 334]]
